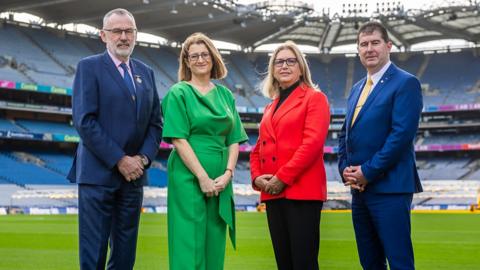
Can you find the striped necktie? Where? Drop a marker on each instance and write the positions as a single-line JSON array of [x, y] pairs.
[[128, 81], [362, 99]]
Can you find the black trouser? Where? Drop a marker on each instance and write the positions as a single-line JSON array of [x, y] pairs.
[[295, 231]]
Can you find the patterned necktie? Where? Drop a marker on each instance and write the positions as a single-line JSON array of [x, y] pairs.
[[128, 81], [362, 99]]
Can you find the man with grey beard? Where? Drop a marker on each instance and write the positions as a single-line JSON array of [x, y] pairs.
[[117, 115]]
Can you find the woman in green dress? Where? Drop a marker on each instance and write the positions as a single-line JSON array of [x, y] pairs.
[[201, 121]]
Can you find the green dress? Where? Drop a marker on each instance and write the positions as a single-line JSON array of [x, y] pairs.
[[197, 224]]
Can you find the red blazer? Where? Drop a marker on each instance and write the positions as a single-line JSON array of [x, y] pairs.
[[290, 145]]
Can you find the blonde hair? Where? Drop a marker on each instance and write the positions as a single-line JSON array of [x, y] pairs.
[[270, 86], [219, 71]]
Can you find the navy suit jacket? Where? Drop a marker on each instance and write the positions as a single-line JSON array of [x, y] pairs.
[[109, 122], [381, 139]]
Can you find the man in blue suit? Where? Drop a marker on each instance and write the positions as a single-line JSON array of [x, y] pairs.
[[376, 153], [116, 112]]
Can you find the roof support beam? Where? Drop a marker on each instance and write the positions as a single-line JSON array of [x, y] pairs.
[[396, 35], [444, 29], [32, 5], [135, 10], [278, 34], [198, 21], [330, 36]]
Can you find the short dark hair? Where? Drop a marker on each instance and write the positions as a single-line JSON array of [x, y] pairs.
[[370, 27]]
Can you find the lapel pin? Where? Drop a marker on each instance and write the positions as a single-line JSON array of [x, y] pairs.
[[138, 79]]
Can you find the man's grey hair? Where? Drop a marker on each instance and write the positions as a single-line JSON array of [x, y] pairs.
[[118, 11]]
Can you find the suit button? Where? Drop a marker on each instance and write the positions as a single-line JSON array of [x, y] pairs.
[[264, 142], [263, 160], [273, 159]]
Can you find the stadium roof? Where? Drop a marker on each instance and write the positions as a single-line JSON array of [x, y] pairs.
[[405, 27], [262, 23]]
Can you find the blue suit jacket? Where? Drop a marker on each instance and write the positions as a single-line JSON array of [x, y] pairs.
[[382, 138], [109, 123]]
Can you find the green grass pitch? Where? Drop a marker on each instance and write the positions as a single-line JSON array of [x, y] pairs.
[[441, 241]]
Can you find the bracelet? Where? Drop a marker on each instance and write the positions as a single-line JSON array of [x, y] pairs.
[[230, 170]]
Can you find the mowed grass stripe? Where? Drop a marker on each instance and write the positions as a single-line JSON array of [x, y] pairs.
[[441, 241]]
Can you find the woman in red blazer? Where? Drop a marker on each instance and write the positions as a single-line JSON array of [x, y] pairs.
[[287, 161]]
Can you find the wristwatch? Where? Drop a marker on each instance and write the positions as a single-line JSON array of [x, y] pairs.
[[144, 160]]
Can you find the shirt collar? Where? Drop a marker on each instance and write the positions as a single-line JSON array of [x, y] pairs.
[[116, 61], [379, 74]]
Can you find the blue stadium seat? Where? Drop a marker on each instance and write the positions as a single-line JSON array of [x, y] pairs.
[[47, 127]]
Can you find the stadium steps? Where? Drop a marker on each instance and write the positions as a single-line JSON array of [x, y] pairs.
[[8, 180], [19, 126], [22, 68], [350, 71], [12, 122], [475, 88], [52, 168], [420, 202], [9, 65], [159, 67], [250, 100], [224, 82], [89, 46], [166, 58], [474, 166], [32, 159], [243, 80], [420, 140], [26, 158], [69, 70], [24, 128], [429, 92], [423, 66], [241, 74]]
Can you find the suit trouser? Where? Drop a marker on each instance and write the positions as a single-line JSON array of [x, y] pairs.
[[295, 231], [108, 215], [382, 230]]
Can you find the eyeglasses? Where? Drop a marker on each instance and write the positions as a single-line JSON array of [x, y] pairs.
[[118, 32], [290, 62], [195, 57]]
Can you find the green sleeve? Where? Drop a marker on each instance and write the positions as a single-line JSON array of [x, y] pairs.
[[175, 119], [237, 134]]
